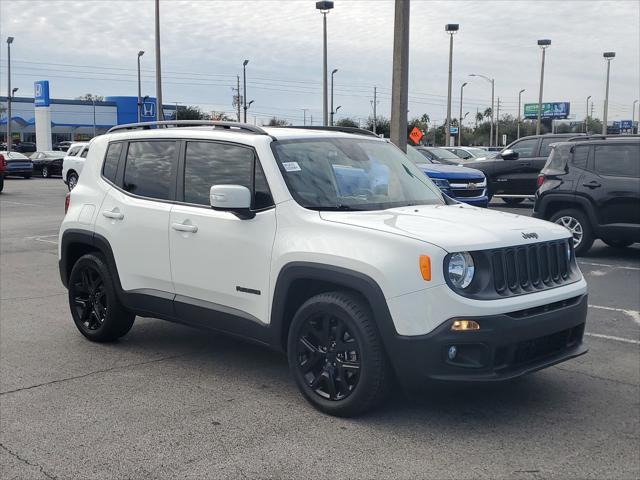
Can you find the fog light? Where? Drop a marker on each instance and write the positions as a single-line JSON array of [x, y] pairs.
[[464, 325], [453, 351]]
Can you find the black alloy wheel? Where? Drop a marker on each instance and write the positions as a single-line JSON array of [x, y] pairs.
[[45, 172], [95, 307], [328, 357], [89, 298]]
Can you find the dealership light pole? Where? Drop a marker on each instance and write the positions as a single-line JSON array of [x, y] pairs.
[[608, 56], [493, 85], [400, 74], [324, 8], [519, 111], [93, 102], [451, 29], [244, 88], [140, 53], [633, 115], [333, 72], [543, 44], [460, 123], [9, 42], [586, 117], [159, 112]]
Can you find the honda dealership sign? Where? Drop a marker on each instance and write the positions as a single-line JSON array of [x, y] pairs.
[[549, 110]]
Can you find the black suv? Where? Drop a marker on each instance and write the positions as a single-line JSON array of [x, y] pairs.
[[592, 187], [512, 174]]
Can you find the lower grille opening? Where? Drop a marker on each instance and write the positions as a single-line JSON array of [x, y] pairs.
[[541, 347]]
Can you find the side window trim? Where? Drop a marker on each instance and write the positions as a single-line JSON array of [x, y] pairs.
[[182, 166]]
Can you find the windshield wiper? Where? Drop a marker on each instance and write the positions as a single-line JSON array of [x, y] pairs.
[[337, 208]]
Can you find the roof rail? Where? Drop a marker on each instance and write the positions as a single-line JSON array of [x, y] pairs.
[[244, 127], [604, 137], [353, 130]]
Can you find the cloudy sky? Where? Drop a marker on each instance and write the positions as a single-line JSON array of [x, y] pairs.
[[91, 46]]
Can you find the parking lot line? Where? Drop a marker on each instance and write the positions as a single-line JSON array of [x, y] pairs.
[[610, 337], [21, 203], [593, 264], [635, 316]]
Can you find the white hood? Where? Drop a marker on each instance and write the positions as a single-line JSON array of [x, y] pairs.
[[454, 228]]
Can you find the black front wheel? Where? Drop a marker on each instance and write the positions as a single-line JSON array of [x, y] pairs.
[[513, 201], [95, 307], [617, 242], [45, 172], [336, 356]]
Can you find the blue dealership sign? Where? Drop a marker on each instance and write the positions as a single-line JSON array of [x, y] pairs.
[[626, 124], [41, 93], [148, 110]]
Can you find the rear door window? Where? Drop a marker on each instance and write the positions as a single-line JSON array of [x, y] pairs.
[[580, 156], [621, 160], [526, 148], [150, 169]]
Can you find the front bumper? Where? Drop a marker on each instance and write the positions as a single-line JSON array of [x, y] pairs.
[[506, 346]]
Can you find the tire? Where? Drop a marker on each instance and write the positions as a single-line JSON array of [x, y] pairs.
[[1, 182], [72, 180], [342, 382], [513, 201], [581, 230], [45, 172], [95, 307], [617, 243], [26, 176]]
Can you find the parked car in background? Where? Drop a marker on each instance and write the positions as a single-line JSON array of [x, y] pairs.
[[47, 163], [592, 187], [17, 164], [464, 184], [73, 163], [471, 153], [441, 155], [62, 146], [512, 174], [24, 147], [3, 167]]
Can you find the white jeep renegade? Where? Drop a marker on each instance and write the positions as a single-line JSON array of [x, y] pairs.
[[329, 246]]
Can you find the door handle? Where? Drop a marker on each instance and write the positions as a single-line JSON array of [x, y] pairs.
[[592, 184], [181, 227], [525, 164], [116, 215]]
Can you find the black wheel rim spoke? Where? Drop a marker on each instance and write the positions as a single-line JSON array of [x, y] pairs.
[[328, 357], [89, 298]]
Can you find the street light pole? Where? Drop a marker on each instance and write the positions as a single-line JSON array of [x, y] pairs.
[[400, 75], [93, 102], [586, 118], [304, 116], [140, 53], [244, 88], [451, 29], [159, 112], [519, 112], [460, 122], [324, 8], [493, 84], [633, 115], [9, 42], [608, 56], [543, 44], [333, 72]]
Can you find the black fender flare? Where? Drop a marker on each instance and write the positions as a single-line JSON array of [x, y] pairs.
[[349, 279], [572, 201]]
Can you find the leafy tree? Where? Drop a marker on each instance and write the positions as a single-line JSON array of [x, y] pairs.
[[219, 116], [190, 113], [278, 122], [487, 113], [479, 117], [383, 125], [89, 97], [347, 122]]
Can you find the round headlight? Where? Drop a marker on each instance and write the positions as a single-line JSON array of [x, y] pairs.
[[461, 269]]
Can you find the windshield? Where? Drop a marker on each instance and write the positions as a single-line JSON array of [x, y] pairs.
[[416, 157], [352, 174]]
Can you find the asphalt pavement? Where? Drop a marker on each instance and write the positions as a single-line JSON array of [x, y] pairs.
[[168, 401]]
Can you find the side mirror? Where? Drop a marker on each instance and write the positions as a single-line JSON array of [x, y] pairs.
[[232, 198], [509, 154]]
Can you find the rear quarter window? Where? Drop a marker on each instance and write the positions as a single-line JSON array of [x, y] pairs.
[[617, 160]]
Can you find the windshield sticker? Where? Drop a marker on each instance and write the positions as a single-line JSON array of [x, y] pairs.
[[291, 166]]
